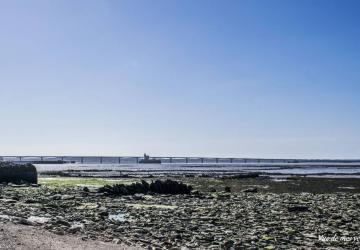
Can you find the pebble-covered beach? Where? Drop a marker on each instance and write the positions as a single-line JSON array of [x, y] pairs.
[[203, 219]]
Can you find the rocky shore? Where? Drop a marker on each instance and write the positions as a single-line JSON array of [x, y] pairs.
[[204, 219]]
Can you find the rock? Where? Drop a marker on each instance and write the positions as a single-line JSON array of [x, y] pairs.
[[270, 247], [75, 228], [242, 176], [116, 241], [104, 214], [159, 186], [55, 197], [17, 173], [138, 197], [10, 201], [265, 237], [59, 232], [37, 220], [25, 222], [227, 189], [169, 187], [228, 244], [298, 208], [62, 223], [195, 192], [251, 190], [67, 197]]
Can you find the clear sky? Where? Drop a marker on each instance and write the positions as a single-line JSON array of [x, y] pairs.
[[202, 78]]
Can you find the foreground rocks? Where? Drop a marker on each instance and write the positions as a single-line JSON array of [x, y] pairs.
[[216, 220]]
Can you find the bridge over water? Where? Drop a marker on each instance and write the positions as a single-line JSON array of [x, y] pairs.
[[164, 159]]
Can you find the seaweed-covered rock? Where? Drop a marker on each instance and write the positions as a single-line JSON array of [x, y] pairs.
[[160, 187], [17, 173], [169, 187]]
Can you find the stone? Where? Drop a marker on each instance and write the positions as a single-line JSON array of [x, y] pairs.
[[104, 214], [75, 228], [25, 222], [241, 176], [62, 223], [161, 187], [17, 173], [298, 208], [251, 190]]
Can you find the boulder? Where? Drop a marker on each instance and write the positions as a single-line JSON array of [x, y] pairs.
[[17, 173]]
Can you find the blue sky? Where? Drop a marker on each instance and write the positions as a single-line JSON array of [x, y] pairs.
[[203, 78]]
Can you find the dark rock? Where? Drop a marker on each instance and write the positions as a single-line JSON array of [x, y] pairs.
[[104, 214], [17, 173], [138, 197], [169, 187], [227, 189], [242, 176], [24, 221], [298, 208], [251, 190], [195, 192], [228, 244], [62, 223], [75, 228], [145, 184], [55, 197]]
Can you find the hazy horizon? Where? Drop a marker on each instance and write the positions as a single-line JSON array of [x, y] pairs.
[[269, 79]]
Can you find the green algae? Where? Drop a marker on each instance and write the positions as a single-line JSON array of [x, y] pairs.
[[73, 181]]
